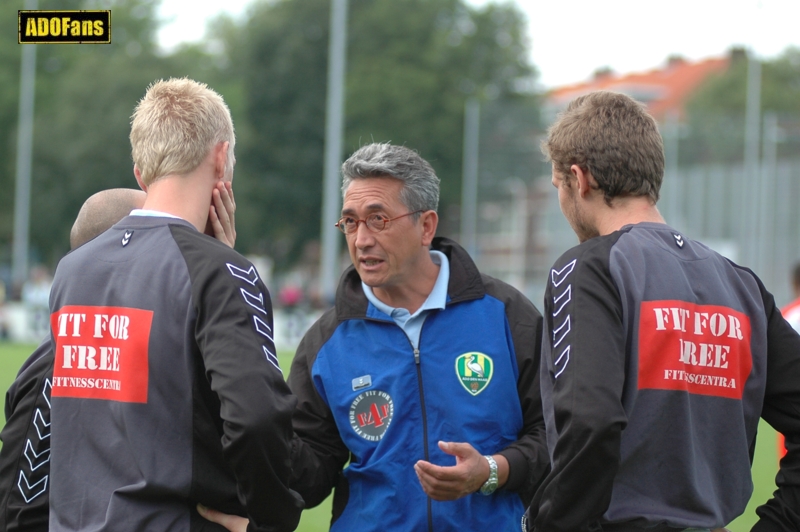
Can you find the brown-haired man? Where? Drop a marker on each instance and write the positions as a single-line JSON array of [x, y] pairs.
[[659, 354]]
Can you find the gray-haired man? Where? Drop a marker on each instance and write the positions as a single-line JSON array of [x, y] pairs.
[[423, 363]]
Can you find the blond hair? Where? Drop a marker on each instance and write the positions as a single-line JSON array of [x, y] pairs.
[[174, 127]]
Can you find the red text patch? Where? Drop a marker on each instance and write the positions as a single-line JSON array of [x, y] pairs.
[[101, 353], [702, 349]]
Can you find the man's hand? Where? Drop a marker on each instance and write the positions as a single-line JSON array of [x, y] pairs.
[[221, 221], [466, 477], [234, 523]]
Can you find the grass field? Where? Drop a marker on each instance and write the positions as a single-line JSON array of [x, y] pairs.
[[765, 464]]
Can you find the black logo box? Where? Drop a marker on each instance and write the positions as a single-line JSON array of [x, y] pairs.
[[64, 27]]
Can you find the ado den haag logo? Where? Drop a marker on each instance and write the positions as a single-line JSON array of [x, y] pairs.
[[64, 27], [474, 371], [371, 413]]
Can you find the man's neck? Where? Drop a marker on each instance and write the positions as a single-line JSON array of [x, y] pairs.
[[412, 294], [184, 196], [627, 211]]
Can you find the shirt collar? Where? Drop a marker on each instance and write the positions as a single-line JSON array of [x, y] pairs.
[[149, 212]]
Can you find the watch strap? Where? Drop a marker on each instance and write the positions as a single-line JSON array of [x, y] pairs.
[[490, 485]]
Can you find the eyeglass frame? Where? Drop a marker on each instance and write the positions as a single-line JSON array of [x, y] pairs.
[[338, 225]]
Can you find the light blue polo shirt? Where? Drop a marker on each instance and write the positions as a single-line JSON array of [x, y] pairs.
[[412, 323]]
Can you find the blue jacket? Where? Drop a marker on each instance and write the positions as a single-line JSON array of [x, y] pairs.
[[366, 395]]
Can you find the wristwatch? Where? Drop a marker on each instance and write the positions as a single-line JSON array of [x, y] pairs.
[[491, 483]]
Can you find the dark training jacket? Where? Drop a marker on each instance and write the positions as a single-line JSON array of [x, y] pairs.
[[166, 390], [660, 357], [25, 456], [365, 394]]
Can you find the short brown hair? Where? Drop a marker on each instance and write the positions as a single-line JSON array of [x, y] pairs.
[[612, 136], [101, 211], [175, 125]]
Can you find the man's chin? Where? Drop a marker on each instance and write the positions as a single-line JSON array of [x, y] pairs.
[[369, 277]]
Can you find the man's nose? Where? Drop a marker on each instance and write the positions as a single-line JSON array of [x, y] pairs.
[[364, 236]]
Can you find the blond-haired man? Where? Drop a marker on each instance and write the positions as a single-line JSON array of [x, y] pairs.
[[166, 388], [24, 456]]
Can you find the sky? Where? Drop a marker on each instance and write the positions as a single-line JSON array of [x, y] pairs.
[[571, 39]]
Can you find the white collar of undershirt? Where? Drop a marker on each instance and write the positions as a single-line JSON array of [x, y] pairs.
[[149, 212]]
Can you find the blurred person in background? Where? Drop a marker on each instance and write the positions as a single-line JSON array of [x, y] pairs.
[[660, 355], [423, 375], [792, 314], [792, 311], [25, 451], [35, 296]]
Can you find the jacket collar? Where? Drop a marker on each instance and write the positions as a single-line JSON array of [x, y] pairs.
[[465, 282]]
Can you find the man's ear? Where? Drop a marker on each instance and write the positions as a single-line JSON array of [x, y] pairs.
[[138, 174], [220, 159], [585, 181], [429, 221]]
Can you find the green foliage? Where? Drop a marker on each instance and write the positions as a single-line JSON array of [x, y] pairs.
[[84, 97], [716, 113], [9, 110], [411, 65]]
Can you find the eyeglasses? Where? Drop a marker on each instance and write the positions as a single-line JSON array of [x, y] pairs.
[[374, 222]]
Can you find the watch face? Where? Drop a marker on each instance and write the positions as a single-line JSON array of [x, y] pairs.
[[489, 487]]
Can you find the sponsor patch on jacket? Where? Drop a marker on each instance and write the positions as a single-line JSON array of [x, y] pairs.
[[359, 383], [474, 371], [701, 349], [371, 414], [101, 353]]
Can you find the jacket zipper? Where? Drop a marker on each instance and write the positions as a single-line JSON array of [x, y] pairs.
[[424, 428]]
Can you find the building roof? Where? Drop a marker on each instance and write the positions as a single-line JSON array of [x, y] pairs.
[[661, 89]]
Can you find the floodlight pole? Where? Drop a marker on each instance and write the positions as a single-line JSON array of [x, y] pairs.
[[469, 183], [22, 192], [750, 216], [334, 131], [767, 200], [671, 148]]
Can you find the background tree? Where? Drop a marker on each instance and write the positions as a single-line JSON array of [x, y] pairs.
[[85, 95], [716, 113], [411, 64]]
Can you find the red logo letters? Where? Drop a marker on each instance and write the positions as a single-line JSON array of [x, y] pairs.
[[371, 414], [702, 349], [374, 416], [101, 353]]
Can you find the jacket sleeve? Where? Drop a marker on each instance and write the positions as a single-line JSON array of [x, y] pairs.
[[527, 457], [24, 456], [318, 452], [782, 411], [234, 335], [583, 367]]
